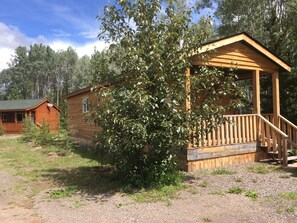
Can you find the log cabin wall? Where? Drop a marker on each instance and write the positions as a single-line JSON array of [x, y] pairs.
[[76, 116], [49, 115]]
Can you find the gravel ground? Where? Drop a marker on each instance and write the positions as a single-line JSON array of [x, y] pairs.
[[204, 199]]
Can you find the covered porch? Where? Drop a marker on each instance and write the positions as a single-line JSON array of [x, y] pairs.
[[13, 121], [242, 138]]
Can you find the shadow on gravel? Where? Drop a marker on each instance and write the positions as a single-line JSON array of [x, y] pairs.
[[96, 180], [291, 170], [88, 180]]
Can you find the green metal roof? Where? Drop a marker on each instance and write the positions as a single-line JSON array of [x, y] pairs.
[[19, 104]]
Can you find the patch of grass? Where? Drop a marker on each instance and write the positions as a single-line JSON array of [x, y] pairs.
[[168, 202], [222, 172], [162, 193], [289, 195], [77, 204], [238, 180], [221, 193], [203, 184], [192, 191], [263, 168], [252, 194], [62, 193], [291, 209], [254, 180], [206, 219], [235, 190]]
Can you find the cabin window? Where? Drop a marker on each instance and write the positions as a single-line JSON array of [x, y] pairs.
[[20, 117], [85, 105], [4, 117]]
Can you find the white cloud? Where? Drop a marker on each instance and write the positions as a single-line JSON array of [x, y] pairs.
[[11, 37], [60, 33], [5, 56], [81, 49]]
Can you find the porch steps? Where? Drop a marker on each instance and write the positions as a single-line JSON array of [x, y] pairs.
[[274, 156]]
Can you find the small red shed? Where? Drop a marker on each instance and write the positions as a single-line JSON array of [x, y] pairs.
[[14, 112]]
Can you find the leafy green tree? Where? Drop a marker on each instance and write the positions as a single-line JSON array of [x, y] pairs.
[[142, 115], [82, 75]]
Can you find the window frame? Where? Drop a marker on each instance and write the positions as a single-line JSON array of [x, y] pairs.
[[85, 105], [4, 115], [23, 117]]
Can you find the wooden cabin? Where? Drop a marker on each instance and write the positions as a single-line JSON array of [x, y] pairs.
[[241, 138], [14, 112], [78, 106]]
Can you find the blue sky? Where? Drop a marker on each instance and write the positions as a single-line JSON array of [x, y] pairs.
[[58, 23]]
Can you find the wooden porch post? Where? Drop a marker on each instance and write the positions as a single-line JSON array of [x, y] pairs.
[[276, 101], [188, 90], [188, 99], [256, 100], [256, 92]]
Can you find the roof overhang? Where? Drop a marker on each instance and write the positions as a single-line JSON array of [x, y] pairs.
[[248, 40], [32, 108]]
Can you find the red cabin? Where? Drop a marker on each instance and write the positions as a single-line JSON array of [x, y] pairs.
[[14, 112]]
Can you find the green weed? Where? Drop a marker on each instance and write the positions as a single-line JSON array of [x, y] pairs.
[[162, 193], [238, 180], [222, 171], [289, 195], [62, 193], [206, 219], [203, 184], [221, 193], [235, 190], [263, 168], [252, 194]]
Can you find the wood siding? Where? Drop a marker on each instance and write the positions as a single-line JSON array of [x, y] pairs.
[[236, 55], [49, 115], [76, 117]]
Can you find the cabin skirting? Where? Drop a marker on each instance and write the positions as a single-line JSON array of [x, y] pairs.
[[221, 156]]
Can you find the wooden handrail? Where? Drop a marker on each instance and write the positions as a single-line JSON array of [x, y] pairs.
[[288, 122], [273, 126], [239, 115]]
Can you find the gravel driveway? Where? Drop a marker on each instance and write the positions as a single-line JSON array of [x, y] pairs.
[[204, 199]]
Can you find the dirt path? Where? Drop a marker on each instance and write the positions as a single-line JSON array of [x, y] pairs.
[[15, 207]]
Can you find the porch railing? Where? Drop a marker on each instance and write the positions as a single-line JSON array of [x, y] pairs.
[[234, 129], [287, 127], [273, 138], [237, 129], [291, 130]]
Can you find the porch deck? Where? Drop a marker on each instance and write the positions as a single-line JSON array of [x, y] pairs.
[[241, 138]]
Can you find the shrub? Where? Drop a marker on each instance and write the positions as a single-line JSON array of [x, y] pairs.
[[44, 136], [144, 124], [1, 130], [29, 130]]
